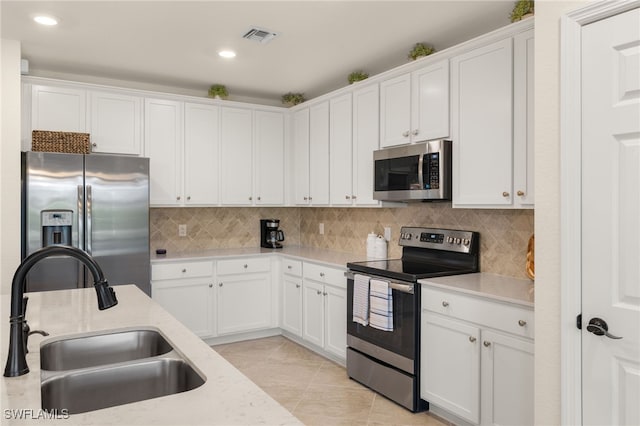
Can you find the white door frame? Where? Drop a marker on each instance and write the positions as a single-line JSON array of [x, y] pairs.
[[570, 205]]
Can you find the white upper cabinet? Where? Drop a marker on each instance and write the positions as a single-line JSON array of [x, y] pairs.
[[58, 109], [523, 120], [236, 168], [201, 154], [319, 154], [395, 111], [482, 108], [430, 102], [269, 158], [163, 130], [301, 157], [366, 136], [415, 107], [116, 123], [340, 150]]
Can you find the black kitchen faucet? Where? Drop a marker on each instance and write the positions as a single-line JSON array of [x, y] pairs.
[[19, 330]]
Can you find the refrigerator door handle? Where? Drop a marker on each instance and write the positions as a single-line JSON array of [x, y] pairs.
[[80, 217], [89, 235]]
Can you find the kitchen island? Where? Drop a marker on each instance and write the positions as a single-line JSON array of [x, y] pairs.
[[227, 397]]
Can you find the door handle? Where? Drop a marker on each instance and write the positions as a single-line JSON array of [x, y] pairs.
[[89, 225], [599, 327]]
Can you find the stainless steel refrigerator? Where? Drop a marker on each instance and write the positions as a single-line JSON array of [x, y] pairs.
[[98, 203]]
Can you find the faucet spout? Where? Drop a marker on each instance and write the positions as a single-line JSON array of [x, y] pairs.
[[16, 360]]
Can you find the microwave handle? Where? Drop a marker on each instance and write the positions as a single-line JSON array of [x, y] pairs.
[[420, 174]]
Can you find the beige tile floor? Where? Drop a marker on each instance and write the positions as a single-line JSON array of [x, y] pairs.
[[317, 391]]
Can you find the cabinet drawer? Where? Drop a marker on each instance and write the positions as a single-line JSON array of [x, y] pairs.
[[244, 265], [505, 317], [170, 271], [325, 274], [292, 267]]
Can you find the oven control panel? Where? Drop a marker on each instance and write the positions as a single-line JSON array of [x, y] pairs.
[[441, 239]]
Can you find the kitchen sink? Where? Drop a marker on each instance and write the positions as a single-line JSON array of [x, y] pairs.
[[100, 370], [91, 389], [103, 348]]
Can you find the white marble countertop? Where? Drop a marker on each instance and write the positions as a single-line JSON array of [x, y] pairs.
[[491, 286], [328, 257], [227, 397]]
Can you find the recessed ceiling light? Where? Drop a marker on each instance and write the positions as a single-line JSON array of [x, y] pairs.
[[227, 53], [46, 20]]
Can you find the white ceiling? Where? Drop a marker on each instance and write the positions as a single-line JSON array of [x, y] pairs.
[[175, 43]]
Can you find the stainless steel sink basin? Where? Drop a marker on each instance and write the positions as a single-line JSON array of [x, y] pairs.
[[103, 348], [99, 370], [85, 390]]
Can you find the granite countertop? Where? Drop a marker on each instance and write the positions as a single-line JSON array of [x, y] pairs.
[[491, 286], [227, 397], [329, 257]]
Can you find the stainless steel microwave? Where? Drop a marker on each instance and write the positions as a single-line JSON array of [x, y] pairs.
[[419, 172]]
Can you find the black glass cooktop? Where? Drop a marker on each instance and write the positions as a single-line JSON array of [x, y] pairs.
[[406, 270]]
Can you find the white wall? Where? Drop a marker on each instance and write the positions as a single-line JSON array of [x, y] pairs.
[[547, 213], [9, 162]]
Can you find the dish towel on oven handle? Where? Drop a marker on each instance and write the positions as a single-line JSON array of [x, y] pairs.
[[380, 305], [361, 299]]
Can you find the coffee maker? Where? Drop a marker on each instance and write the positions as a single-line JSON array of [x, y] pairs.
[[270, 235]]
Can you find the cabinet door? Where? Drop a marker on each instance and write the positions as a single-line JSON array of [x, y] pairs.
[[319, 154], [58, 109], [301, 157], [523, 120], [430, 102], [395, 111], [366, 136], [236, 167], [116, 123], [292, 304], [269, 179], [313, 312], [507, 380], [336, 321], [450, 365], [163, 135], [482, 126], [244, 303], [340, 163], [190, 301], [201, 154]]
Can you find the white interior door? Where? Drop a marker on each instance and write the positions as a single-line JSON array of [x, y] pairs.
[[611, 219]]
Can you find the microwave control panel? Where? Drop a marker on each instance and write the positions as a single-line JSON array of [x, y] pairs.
[[431, 176]]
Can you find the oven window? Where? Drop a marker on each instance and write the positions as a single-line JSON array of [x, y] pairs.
[[402, 340], [397, 174]]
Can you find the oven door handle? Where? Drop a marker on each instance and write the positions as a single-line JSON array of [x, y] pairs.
[[404, 288]]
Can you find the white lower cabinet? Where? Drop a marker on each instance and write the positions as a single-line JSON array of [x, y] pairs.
[[476, 358], [291, 309], [185, 290], [324, 308], [244, 299]]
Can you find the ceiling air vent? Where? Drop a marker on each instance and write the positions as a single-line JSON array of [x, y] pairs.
[[260, 35]]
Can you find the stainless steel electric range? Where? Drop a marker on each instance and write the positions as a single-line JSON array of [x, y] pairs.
[[388, 361]]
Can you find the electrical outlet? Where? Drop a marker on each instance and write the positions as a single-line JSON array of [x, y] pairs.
[[321, 229], [182, 230], [387, 233]]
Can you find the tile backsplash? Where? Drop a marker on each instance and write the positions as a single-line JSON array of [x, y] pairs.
[[503, 233]]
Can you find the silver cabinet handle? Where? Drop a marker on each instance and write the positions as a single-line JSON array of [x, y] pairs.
[[445, 303], [522, 323], [94, 145], [250, 198], [318, 292], [289, 267], [415, 132], [220, 285], [259, 198], [353, 197], [405, 134], [178, 198], [246, 266], [297, 285], [210, 285], [184, 270], [472, 339], [306, 198], [486, 343], [188, 197], [322, 274], [325, 293], [310, 198], [346, 197]]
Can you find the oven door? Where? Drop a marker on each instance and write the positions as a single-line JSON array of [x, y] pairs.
[[397, 347]]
